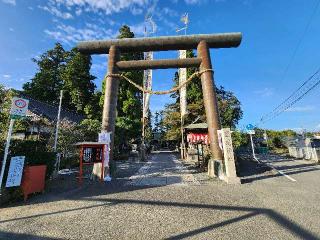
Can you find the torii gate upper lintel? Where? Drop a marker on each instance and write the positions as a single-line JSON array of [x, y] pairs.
[[201, 42]]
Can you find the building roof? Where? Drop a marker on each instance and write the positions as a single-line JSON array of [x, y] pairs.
[[49, 111], [196, 126]]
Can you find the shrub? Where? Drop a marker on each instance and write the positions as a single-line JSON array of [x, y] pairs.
[[35, 152]]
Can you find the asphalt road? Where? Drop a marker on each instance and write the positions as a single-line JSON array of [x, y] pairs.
[[163, 199]]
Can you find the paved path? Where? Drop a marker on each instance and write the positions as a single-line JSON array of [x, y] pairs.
[[293, 169], [135, 206], [163, 169]]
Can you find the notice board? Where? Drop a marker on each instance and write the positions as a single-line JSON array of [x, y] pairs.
[[15, 171]]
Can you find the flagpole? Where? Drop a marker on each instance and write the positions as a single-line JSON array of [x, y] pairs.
[[183, 91], [147, 80]]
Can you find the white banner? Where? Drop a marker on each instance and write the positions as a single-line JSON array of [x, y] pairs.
[[147, 83], [183, 90], [105, 137], [15, 171]]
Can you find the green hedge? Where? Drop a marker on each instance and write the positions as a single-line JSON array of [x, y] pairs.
[[35, 152]]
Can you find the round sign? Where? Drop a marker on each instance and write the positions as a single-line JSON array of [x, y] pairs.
[[249, 127], [20, 103]]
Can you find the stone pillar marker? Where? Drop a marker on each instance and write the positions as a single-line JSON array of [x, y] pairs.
[[229, 163]]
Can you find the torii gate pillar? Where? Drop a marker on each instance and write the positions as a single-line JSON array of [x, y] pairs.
[[111, 96], [210, 104]]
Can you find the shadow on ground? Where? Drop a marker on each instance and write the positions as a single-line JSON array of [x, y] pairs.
[[248, 213], [250, 170]]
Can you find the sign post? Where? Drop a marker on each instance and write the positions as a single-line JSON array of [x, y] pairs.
[[250, 131], [18, 110]]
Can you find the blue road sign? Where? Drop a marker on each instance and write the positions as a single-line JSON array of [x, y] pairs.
[[250, 127]]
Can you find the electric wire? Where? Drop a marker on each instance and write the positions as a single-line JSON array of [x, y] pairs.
[[312, 82]]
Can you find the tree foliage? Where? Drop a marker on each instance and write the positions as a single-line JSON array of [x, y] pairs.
[[59, 69], [5, 104], [47, 82], [228, 104]]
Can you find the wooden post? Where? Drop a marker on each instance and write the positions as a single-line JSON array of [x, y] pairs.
[[81, 165], [210, 104], [111, 96]]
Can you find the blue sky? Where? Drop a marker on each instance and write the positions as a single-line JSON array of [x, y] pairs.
[[255, 72]]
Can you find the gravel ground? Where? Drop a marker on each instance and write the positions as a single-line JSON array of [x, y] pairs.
[[269, 206]]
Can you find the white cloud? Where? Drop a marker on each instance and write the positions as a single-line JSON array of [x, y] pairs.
[[138, 29], [266, 92], [192, 1], [163, 16], [108, 7], [136, 11], [6, 76], [56, 12], [99, 66], [71, 35], [170, 12], [78, 12], [11, 2], [301, 109]]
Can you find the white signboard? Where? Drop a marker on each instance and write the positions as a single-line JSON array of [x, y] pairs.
[[15, 171], [19, 107], [183, 90], [251, 132], [104, 137]]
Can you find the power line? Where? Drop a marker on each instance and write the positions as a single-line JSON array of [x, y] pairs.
[[294, 54], [284, 105], [300, 40], [312, 82]]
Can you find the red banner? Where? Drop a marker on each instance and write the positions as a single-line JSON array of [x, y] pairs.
[[198, 138]]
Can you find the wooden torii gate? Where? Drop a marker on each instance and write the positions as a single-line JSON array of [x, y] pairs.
[[201, 42]]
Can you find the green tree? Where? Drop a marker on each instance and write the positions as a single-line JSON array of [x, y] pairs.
[[47, 82], [77, 81], [64, 70], [5, 105], [229, 106]]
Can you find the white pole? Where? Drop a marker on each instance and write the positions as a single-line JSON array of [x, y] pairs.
[[57, 126], [6, 150], [57, 165], [252, 146], [265, 132]]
